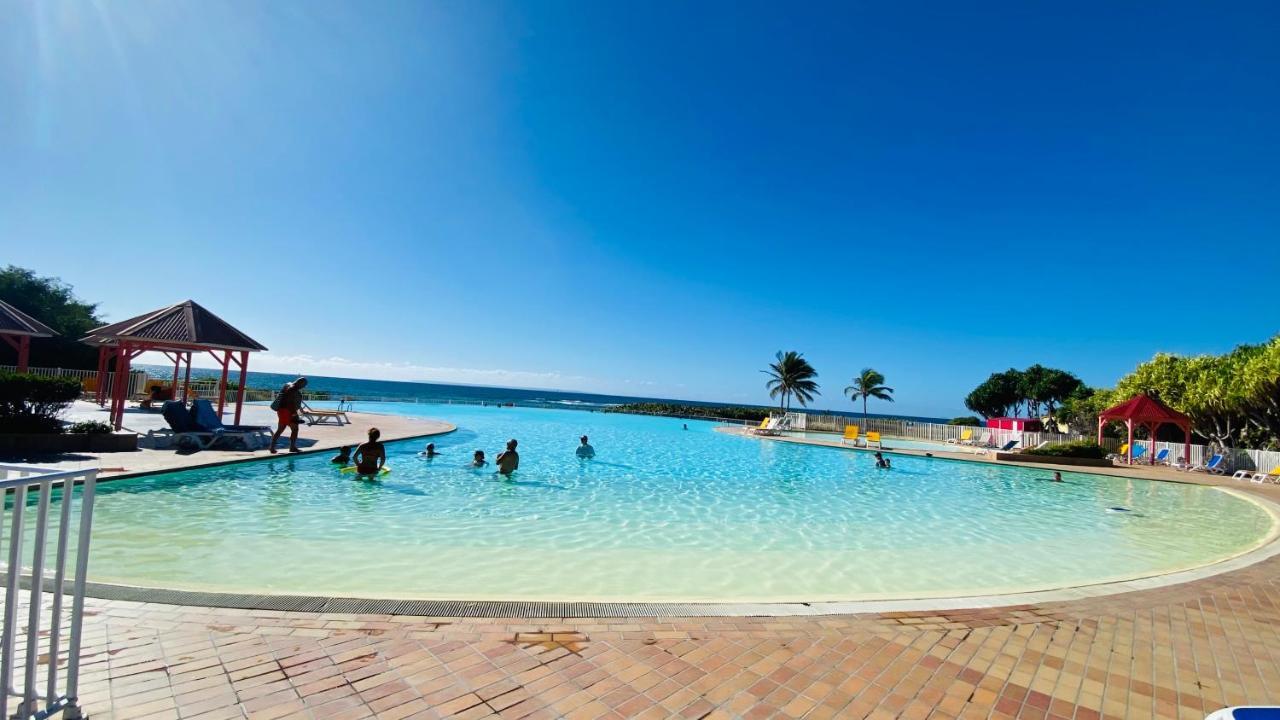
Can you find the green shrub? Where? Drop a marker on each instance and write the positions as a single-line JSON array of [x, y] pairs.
[[32, 403], [1074, 449], [90, 427], [968, 420], [707, 411]]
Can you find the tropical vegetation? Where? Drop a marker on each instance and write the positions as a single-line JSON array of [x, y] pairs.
[[33, 403], [692, 411], [791, 376], [868, 384], [1076, 449], [968, 420], [1034, 390], [53, 303], [1233, 399]]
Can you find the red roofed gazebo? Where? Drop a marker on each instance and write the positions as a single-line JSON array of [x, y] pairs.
[[17, 328], [177, 331], [1150, 413]]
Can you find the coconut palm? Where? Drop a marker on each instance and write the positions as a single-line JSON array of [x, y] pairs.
[[868, 384], [791, 376]]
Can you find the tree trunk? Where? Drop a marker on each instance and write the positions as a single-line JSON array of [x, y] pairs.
[[864, 411]]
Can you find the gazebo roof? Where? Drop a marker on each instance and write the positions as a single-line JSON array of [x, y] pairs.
[[1144, 409], [186, 324], [15, 322]]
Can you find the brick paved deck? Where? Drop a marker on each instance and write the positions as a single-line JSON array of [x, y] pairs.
[[1177, 652]]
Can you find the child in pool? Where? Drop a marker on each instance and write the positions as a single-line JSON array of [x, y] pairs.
[[343, 457], [478, 459]]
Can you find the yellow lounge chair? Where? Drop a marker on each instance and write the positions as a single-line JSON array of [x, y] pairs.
[[873, 437], [966, 438], [1272, 476], [850, 434]]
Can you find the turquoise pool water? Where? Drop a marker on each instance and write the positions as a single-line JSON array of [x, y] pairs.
[[662, 513]]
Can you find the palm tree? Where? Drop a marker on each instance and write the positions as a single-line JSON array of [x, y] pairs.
[[868, 384], [791, 375]]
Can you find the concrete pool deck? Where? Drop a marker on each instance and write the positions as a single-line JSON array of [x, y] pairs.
[[146, 461]]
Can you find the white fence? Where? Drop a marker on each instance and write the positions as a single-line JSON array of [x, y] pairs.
[[1237, 458], [26, 645]]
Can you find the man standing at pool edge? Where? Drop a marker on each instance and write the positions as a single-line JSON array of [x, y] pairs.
[[287, 406], [509, 459]]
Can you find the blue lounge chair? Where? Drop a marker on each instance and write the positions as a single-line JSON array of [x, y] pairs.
[[1009, 445], [206, 419], [1138, 451], [1162, 457], [1215, 466]]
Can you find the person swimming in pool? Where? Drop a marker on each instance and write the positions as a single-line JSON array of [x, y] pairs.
[[430, 452], [370, 456], [477, 460], [343, 457], [882, 461], [509, 460], [585, 451], [1057, 476]]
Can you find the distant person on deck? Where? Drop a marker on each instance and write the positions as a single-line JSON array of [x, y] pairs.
[[343, 457], [508, 460], [478, 460], [287, 406], [585, 451], [370, 456]]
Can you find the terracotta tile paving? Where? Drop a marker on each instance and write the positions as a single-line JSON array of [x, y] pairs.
[[1178, 652]]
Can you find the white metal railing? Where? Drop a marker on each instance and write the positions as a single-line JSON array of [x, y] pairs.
[[23, 647]]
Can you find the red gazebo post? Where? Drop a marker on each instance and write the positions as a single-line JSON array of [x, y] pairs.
[[244, 371]]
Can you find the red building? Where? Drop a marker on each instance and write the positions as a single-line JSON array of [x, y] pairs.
[[1015, 424]]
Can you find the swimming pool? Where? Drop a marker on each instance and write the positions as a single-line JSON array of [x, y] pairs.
[[661, 514]]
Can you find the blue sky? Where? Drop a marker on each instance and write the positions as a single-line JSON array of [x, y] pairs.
[[653, 198]]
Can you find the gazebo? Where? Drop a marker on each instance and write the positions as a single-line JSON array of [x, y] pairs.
[[1146, 412], [17, 328], [178, 331]]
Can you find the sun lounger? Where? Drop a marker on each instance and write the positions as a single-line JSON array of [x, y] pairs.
[[206, 418], [1215, 466], [200, 428], [850, 434], [966, 438], [768, 426], [1138, 451], [1120, 454], [1271, 476], [323, 417], [874, 437], [1162, 457]]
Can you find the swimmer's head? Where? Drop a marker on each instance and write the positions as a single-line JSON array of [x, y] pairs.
[[584, 439], [511, 444], [374, 434], [431, 446], [479, 455]]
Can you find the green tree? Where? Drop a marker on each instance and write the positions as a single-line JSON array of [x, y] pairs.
[[791, 376], [868, 384], [999, 395], [53, 303]]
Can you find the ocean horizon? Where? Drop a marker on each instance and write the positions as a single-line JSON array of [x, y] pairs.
[[424, 391]]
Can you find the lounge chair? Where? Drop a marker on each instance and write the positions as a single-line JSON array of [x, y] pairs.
[[768, 426], [984, 440], [1162, 457], [1214, 466], [1138, 451], [324, 417], [206, 418], [1271, 476], [1119, 454], [850, 434], [966, 438], [874, 437]]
